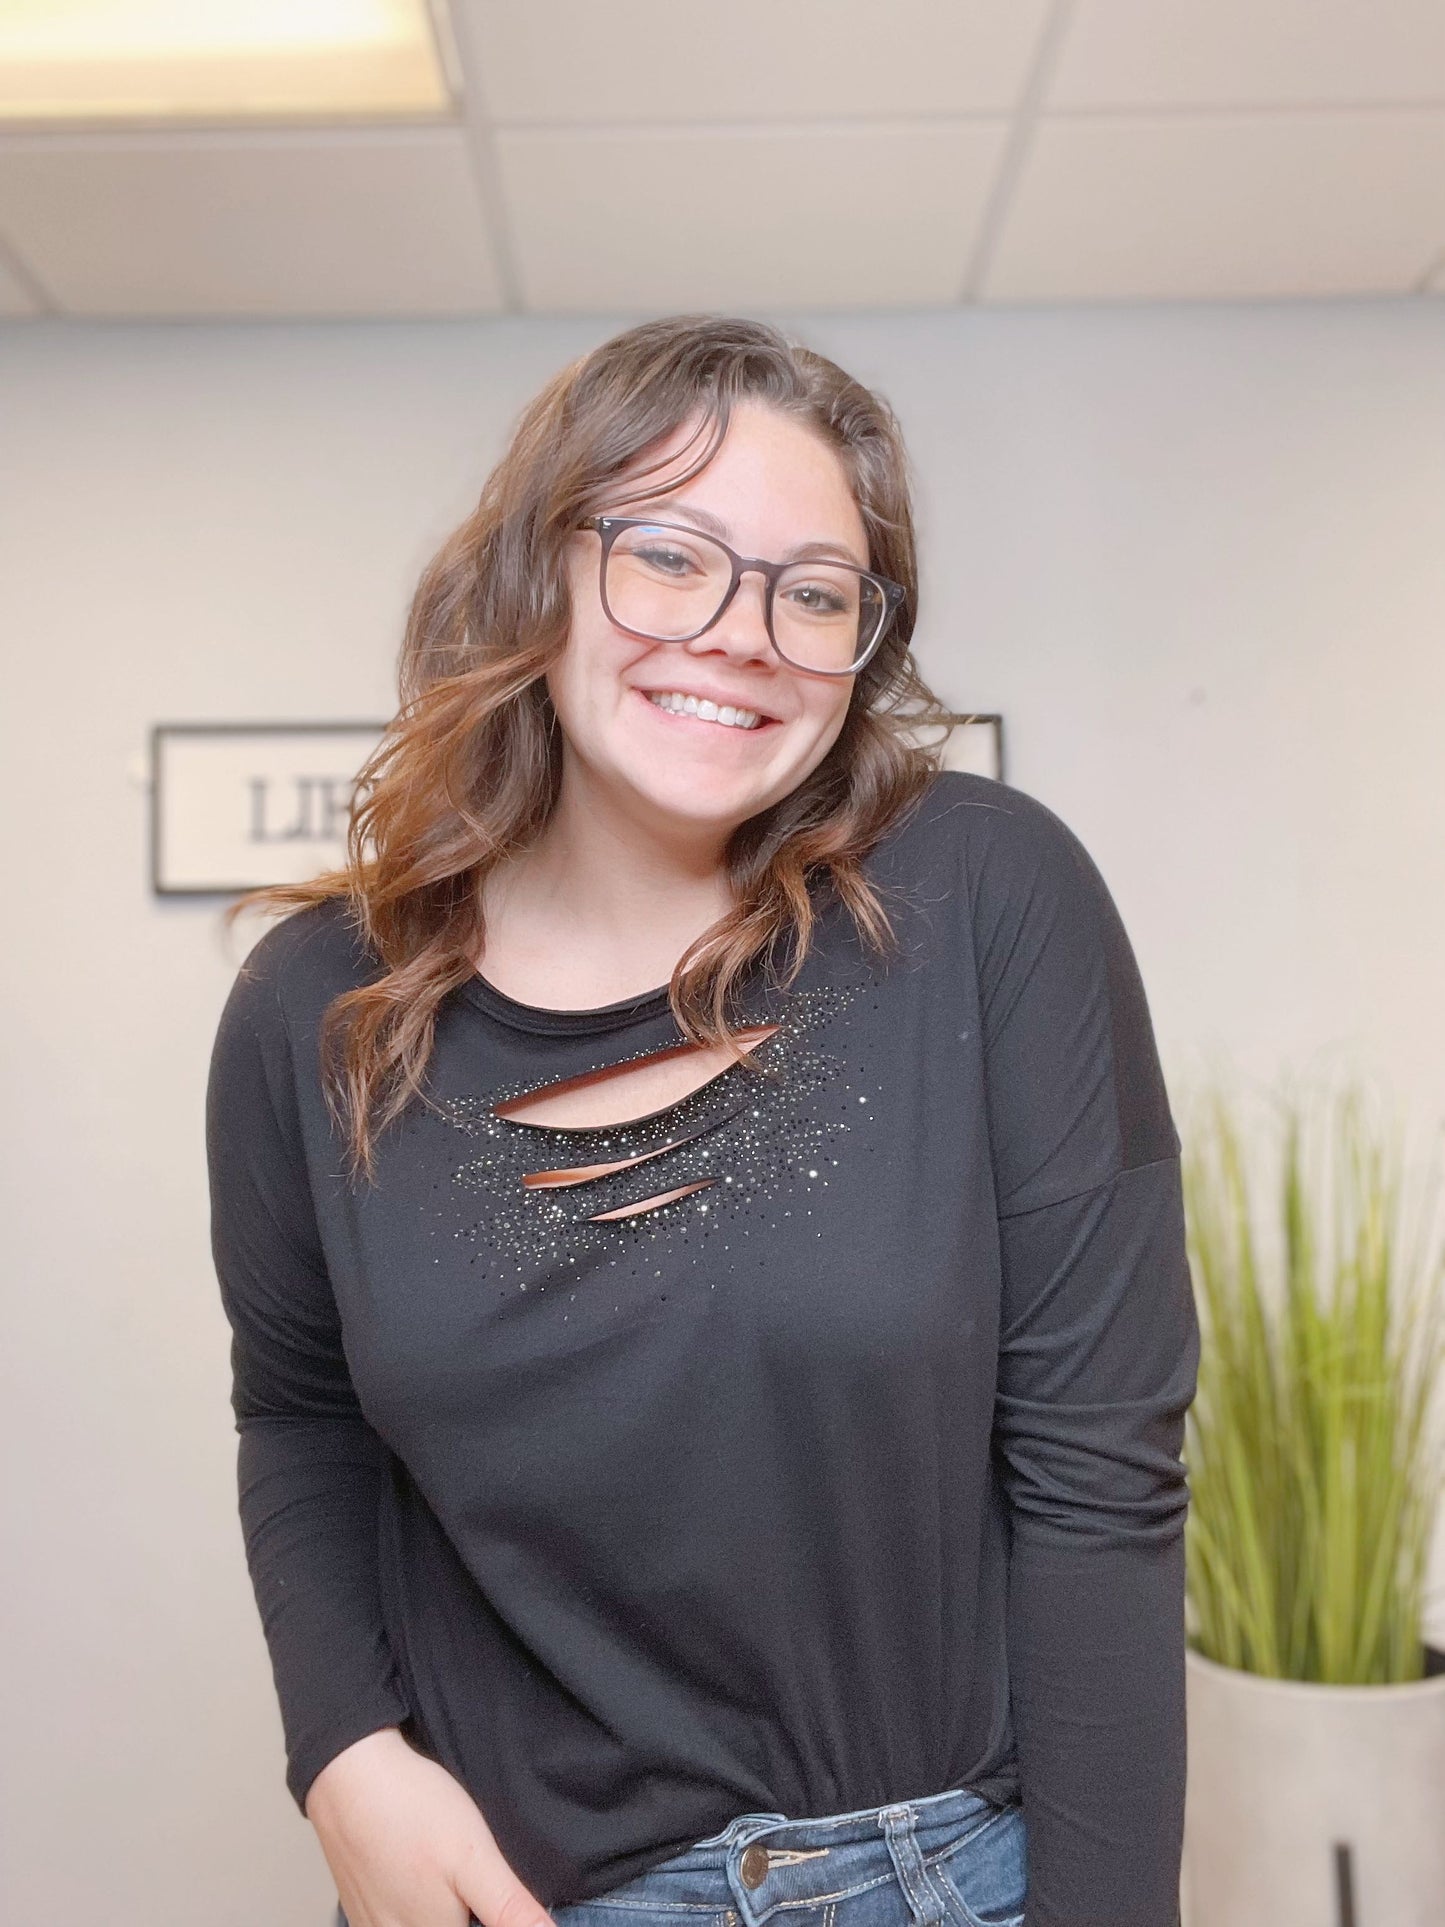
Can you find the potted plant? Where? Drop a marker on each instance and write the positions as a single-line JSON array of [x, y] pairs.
[[1316, 1710]]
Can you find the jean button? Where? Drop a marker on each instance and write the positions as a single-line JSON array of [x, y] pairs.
[[754, 1866]]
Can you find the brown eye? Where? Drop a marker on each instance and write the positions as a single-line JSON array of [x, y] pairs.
[[817, 598], [666, 561]]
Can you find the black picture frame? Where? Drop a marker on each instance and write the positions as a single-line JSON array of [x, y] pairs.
[[981, 749], [171, 879]]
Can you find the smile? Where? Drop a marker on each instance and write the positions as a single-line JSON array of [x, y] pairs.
[[673, 703]]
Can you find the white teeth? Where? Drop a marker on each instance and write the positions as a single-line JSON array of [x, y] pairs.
[[682, 705]]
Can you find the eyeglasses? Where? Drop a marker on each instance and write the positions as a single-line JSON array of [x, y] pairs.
[[666, 583]]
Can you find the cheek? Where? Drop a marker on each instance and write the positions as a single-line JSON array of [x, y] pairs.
[[827, 708], [585, 679], [559, 673], [567, 689], [588, 631]]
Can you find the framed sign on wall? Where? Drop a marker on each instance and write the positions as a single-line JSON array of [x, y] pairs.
[[235, 805], [975, 743]]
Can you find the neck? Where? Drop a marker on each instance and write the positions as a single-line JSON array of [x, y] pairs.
[[620, 876]]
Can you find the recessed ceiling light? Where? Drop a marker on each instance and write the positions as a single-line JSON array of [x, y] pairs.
[[218, 60]]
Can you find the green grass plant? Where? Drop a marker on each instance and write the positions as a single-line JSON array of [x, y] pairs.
[[1314, 1472]]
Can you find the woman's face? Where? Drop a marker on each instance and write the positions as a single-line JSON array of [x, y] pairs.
[[776, 490]]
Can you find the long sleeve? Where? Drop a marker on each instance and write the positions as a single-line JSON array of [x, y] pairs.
[[1099, 1351], [309, 1467]]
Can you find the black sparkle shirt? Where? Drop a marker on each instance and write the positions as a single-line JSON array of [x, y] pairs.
[[848, 1472]]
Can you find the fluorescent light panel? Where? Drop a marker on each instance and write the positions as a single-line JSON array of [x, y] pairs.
[[187, 60]]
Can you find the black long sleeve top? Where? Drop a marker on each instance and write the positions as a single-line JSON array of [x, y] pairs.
[[849, 1473]]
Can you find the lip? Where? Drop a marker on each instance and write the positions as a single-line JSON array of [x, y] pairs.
[[710, 696]]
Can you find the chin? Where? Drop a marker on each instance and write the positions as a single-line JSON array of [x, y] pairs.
[[704, 799]]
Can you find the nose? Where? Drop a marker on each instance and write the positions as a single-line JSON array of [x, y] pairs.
[[742, 628]]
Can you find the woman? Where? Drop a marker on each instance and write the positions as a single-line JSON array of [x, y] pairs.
[[699, 1213]]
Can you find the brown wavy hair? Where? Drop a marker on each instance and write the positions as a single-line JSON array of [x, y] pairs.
[[468, 770]]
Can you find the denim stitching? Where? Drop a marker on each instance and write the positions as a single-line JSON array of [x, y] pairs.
[[653, 1906], [957, 1846], [840, 1893], [754, 1827], [891, 1832], [942, 1897], [969, 1916]]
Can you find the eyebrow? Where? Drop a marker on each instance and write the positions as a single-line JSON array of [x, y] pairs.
[[666, 509]]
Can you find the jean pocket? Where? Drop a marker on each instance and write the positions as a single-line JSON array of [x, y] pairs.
[[644, 1911], [985, 1877]]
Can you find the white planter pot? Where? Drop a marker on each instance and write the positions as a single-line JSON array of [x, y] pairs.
[[1313, 1806]]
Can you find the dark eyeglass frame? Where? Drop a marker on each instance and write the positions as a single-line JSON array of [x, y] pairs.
[[609, 527]]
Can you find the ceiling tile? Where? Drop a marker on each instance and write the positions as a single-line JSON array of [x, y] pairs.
[[1228, 206], [16, 298], [341, 222], [573, 62], [1242, 53], [875, 218]]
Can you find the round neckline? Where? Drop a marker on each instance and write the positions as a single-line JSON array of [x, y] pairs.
[[545, 1021]]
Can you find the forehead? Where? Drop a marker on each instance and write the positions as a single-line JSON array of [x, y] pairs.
[[766, 457]]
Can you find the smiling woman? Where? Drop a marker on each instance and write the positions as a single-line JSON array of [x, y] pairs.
[[699, 1213], [539, 782], [665, 610]]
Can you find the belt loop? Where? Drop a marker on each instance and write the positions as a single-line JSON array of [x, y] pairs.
[[923, 1900]]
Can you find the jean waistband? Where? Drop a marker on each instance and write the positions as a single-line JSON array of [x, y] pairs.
[[929, 1813]]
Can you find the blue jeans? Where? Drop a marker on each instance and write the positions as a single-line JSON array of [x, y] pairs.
[[950, 1859]]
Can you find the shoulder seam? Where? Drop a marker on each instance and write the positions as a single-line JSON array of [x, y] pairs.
[[1089, 1191]]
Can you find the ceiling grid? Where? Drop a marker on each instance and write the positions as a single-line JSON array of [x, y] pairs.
[[779, 155], [1016, 148]]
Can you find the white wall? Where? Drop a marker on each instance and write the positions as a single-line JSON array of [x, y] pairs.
[[1197, 558]]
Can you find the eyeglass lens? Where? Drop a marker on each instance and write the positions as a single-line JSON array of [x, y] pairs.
[[670, 583]]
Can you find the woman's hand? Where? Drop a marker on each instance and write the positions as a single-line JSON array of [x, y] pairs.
[[408, 1846]]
